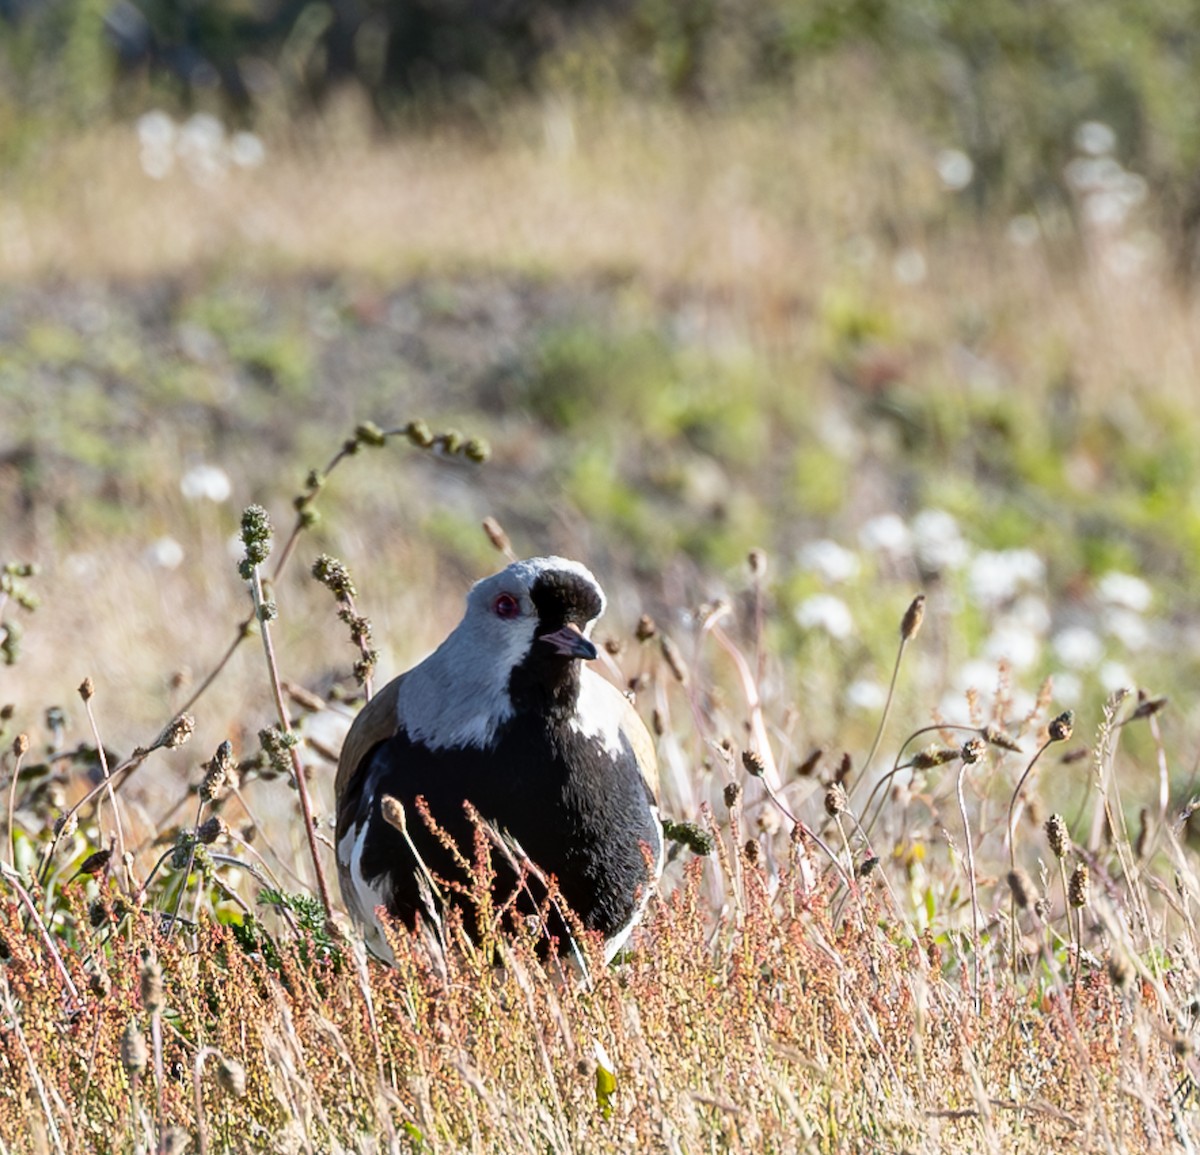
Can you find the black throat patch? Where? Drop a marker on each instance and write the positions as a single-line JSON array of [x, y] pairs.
[[547, 682]]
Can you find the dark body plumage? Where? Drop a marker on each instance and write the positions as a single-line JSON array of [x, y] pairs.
[[560, 764]]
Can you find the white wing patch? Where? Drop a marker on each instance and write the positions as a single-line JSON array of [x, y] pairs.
[[600, 712], [361, 896]]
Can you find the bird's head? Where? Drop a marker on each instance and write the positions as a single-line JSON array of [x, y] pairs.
[[533, 618], [517, 650]]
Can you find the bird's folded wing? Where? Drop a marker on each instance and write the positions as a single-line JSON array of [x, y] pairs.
[[377, 721], [642, 745]]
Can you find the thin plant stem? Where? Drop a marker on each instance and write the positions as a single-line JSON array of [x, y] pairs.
[[962, 810], [107, 780], [297, 766], [12, 806]]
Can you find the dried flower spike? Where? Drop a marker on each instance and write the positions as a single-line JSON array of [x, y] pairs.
[[231, 1077], [86, 689], [973, 750], [392, 810], [256, 538], [220, 774], [497, 536], [913, 617], [674, 659], [1024, 891], [178, 732], [133, 1049], [835, 800], [1079, 888], [733, 794], [752, 763], [1057, 835], [150, 980], [1062, 727]]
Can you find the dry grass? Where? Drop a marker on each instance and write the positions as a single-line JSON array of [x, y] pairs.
[[881, 1006]]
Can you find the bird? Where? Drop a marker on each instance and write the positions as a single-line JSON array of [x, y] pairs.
[[505, 715]]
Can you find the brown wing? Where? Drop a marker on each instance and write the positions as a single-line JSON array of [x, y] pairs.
[[642, 744], [376, 722]]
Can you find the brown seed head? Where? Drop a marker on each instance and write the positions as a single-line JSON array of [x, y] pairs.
[[392, 810], [1148, 708], [835, 800], [934, 756], [150, 979], [1058, 835], [752, 763], [210, 830], [810, 763], [997, 737], [65, 824], [231, 1077], [1023, 888], [674, 659], [751, 850], [219, 775], [913, 617], [1078, 889], [86, 688], [20, 745], [867, 866], [646, 628], [496, 535], [733, 794], [133, 1049], [179, 731], [973, 750], [1062, 727], [757, 561]]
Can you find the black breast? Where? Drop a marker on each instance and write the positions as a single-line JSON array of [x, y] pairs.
[[579, 812]]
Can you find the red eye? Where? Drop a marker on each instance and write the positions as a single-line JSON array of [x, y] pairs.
[[506, 606]]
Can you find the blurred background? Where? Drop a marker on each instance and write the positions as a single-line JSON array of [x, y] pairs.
[[902, 294]]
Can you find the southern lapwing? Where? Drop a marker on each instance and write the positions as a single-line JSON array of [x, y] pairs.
[[506, 716]]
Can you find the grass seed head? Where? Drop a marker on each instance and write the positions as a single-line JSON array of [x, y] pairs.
[[220, 775], [646, 628]]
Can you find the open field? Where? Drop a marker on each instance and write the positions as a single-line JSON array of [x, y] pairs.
[[684, 336]]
